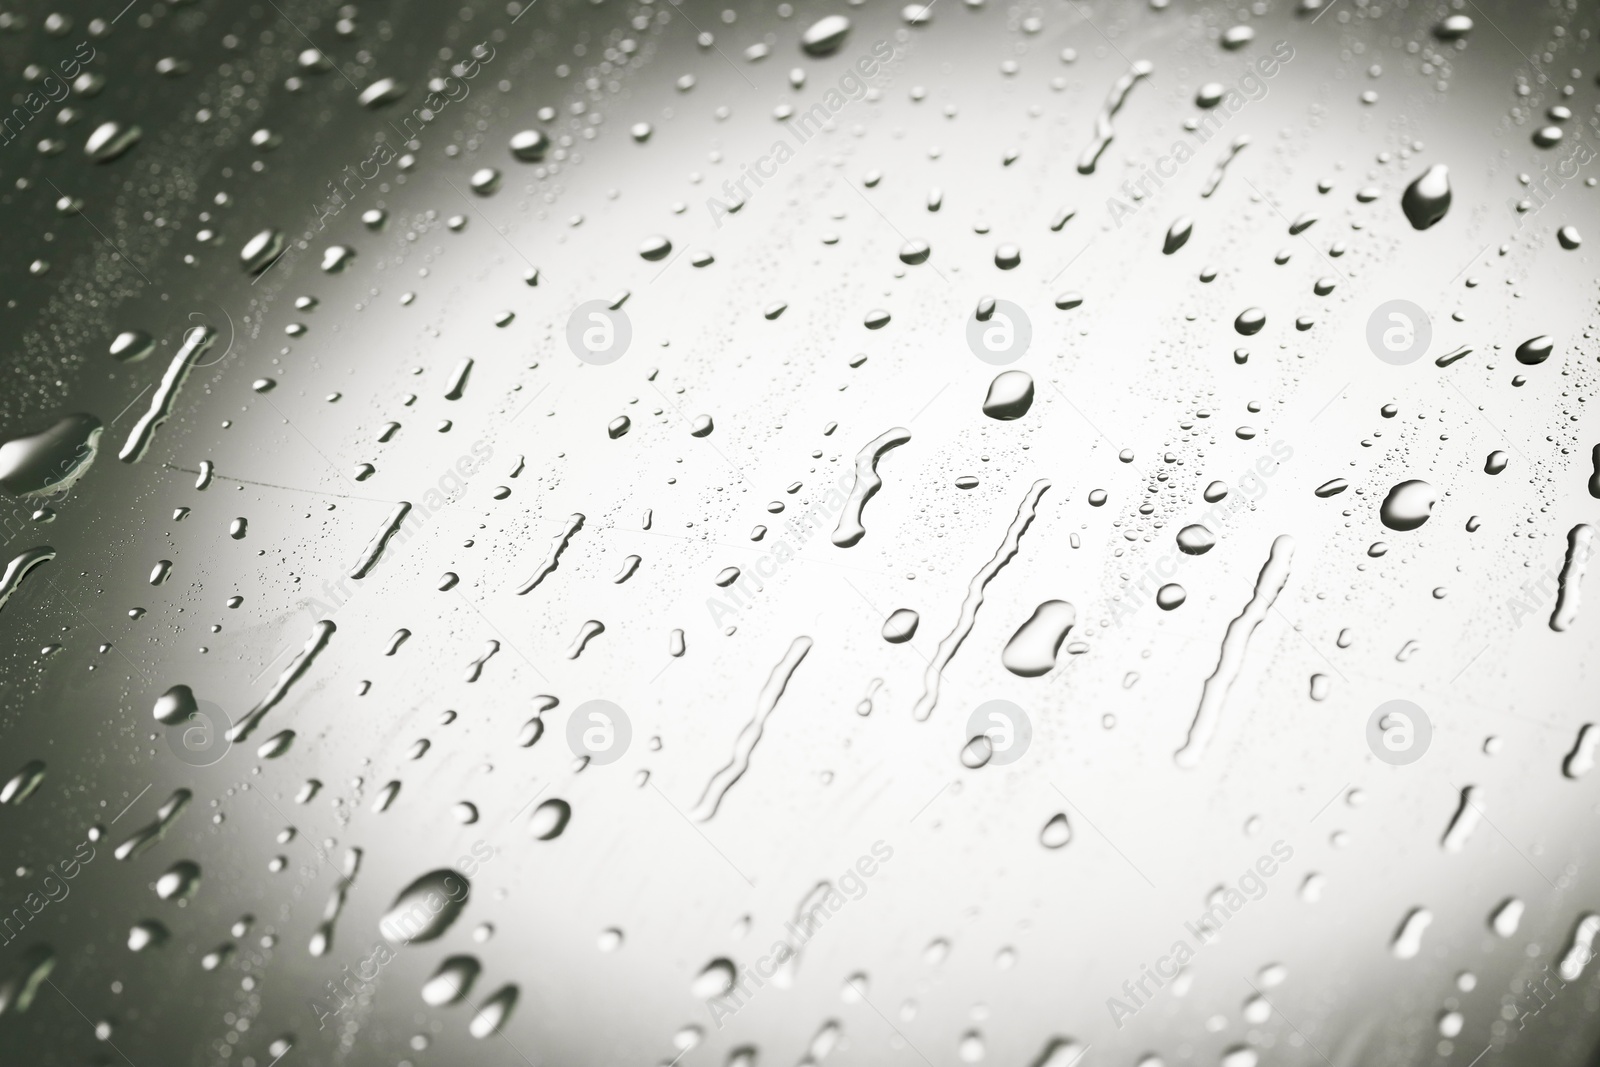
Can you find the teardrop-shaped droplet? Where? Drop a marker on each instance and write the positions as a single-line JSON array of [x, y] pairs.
[[1427, 199], [1535, 350], [1177, 235]]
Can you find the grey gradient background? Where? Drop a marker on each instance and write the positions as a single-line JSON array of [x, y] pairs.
[[1143, 364]]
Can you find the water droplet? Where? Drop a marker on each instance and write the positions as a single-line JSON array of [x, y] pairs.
[[1056, 832], [900, 626], [1010, 395], [426, 908], [1250, 321], [529, 146], [1196, 540], [452, 982], [1427, 199], [549, 819], [51, 460], [1177, 234], [1535, 350], [381, 92], [824, 36], [110, 140], [1032, 649], [1408, 505]]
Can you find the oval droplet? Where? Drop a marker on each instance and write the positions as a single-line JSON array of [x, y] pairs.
[[1408, 505]]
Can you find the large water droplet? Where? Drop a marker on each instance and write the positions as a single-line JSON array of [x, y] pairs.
[[1426, 200], [1408, 505], [427, 907], [1010, 395]]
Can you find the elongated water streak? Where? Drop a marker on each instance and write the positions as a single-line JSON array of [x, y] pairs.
[[1103, 130], [280, 688], [850, 530], [380, 540], [19, 567], [195, 343], [558, 545], [1235, 642], [745, 744], [1215, 178], [974, 600], [1569, 587]]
